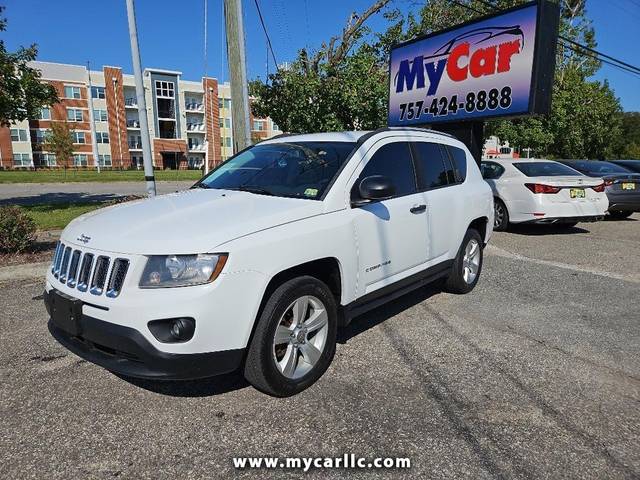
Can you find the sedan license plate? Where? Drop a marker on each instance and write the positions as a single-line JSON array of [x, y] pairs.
[[628, 186], [577, 193]]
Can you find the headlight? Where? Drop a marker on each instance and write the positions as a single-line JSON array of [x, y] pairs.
[[182, 270]]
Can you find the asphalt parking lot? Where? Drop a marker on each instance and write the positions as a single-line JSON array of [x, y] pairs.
[[536, 374]]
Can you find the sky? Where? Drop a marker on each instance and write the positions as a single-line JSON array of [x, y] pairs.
[[95, 31]]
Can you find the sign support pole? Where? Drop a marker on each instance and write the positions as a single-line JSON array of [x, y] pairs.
[[470, 133]]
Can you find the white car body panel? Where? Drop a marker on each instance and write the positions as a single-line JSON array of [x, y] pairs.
[[266, 235], [525, 206]]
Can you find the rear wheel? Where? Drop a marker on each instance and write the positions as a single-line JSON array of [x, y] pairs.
[[467, 265], [500, 215], [295, 338], [619, 214]]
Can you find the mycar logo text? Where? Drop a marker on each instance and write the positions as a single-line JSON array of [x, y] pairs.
[[477, 53], [477, 70]]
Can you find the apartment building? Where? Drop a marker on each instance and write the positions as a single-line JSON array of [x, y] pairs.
[[188, 121]]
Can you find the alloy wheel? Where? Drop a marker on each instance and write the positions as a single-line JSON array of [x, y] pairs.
[[300, 337], [471, 261]]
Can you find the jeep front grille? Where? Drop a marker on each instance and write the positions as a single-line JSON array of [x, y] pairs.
[[83, 271]]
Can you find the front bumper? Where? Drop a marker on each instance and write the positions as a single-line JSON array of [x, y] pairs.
[[560, 220], [126, 351]]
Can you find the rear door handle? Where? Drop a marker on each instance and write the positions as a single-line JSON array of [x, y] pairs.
[[418, 208]]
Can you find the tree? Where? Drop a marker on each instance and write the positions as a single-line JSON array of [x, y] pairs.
[[629, 145], [59, 142], [22, 93]]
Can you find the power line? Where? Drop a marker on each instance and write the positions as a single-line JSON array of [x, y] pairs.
[[266, 34], [604, 58]]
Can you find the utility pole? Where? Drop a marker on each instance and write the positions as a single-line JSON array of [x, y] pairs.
[[238, 74], [92, 117], [204, 87], [142, 104]]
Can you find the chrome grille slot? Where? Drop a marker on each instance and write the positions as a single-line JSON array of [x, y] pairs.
[[85, 272], [56, 267], [55, 256], [65, 264], [116, 280], [73, 268], [99, 275]]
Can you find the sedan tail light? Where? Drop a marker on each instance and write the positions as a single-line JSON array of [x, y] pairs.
[[541, 188], [599, 188], [608, 182]]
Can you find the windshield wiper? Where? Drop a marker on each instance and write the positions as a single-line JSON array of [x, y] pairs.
[[253, 189]]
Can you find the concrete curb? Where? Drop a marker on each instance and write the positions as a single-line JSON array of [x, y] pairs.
[[24, 271]]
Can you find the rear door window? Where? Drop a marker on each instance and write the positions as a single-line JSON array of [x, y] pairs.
[[491, 170], [433, 169]]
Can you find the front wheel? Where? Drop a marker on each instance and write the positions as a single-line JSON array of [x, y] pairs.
[[295, 338], [467, 265]]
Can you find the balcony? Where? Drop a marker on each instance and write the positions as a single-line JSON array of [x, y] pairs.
[[196, 147], [133, 124], [131, 102], [135, 146], [194, 107], [195, 127]]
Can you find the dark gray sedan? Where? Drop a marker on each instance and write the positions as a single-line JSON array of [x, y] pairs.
[[621, 184], [633, 165]]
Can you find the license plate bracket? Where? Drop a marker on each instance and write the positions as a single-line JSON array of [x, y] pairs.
[[577, 193], [65, 312]]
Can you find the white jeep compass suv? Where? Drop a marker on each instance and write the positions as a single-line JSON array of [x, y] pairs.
[[258, 265]]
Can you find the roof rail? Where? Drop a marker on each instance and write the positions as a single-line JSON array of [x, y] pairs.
[[367, 136]]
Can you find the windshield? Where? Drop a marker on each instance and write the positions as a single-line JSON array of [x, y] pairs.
[[291, 169], [545, 169], [598, 167]]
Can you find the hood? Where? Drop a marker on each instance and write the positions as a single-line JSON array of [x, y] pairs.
[[193, 221]]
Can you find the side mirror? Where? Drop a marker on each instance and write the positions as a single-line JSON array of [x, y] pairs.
[[374, 188]]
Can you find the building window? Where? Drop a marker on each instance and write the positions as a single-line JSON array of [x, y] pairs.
[[164, 89], [227, 103], [225, 142], [225, 122], [21, 160], [72, 92], [44, 160], [135, 142], [39, 136], [78, 137], [97, 92], [74, 114], [80, 160], [100, 115], [18, 135], [45, 114], [104, 160], [258, 125], [102, 137], [275, 126]]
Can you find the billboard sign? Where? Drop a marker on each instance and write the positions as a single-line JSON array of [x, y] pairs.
[[501, 65]]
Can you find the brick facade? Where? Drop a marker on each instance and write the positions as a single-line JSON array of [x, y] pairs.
[[118, 139]]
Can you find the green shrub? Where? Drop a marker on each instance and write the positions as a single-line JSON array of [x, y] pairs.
[[17, 230]]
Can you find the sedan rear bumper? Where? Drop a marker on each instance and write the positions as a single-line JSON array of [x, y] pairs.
[[560, 220]]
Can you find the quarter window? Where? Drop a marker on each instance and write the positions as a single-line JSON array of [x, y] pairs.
[[491, 170], [433, 171], [393, 160], [459, 158]]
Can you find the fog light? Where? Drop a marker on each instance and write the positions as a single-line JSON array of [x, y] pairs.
[[173, 330]]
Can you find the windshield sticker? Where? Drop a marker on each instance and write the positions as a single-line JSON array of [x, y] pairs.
[[311, 192]]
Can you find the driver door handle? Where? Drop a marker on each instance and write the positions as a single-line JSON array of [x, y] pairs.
[[418, 209]]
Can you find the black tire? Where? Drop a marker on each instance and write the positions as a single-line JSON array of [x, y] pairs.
[[260, 367], [456, 282], [500, 216], [619, 214]]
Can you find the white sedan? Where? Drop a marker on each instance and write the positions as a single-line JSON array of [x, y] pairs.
[[543, 191]]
